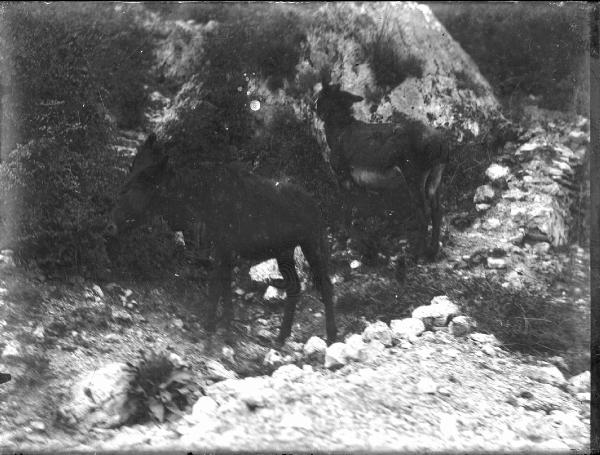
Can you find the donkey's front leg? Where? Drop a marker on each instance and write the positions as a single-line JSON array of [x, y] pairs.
[[219, 288], [433, 196]]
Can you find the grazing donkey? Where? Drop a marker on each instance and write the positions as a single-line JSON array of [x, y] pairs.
[[244, 215], [387, 156]]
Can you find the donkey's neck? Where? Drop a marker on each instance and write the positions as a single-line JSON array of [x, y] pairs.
[[336, 126]]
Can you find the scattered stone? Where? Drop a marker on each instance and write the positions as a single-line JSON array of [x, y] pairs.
[[547, 223], [13, 349], [484, 338], [293, 346], [496, 171], [38, 425], [127, 293], [112, 338], [484, 194], [426, 386], [178, 323], [6, 258], [437, 313], [461, 325], [121, 315], [239, 292], [314, 349], [513, 280], [378, 331], [496, 263], [110, 287], [101, 398], [273, 358], [264, 334], [514, 194], [355, 347], [461, 221], [577, 137], [481, 208], [498, 252], [204, 405], [254, 392], [541, 248], [558, 361], [408, 328], [405, 344], [546, 375], [39, 332], [217, 372], [272, 293], [355, 264], [492, 223], [488, 349], [518, 238], [288, 373], [580, 383], [529, 147], [98, 291], [336, 356]]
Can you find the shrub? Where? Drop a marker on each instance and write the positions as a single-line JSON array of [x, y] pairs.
[[389, 66], [145, 253], [524, 47], [162, 388], [57, 173]]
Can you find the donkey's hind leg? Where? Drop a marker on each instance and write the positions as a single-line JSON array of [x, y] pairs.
[[291, 284], [422, 209], [220, 289], [316, 252]]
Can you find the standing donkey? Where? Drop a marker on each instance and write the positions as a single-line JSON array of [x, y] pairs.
[[245, 215], [387, 156]]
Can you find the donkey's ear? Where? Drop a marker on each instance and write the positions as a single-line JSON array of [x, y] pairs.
[[355, 98]]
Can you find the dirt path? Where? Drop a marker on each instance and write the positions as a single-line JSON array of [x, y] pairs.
[[438, 393]]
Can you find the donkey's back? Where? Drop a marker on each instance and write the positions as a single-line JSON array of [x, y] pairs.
[[256, 216]]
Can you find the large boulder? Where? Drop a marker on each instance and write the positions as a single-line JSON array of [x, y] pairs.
[[375, 50], [101, 398]]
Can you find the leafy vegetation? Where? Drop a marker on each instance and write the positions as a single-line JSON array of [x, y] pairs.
[[525, 48], [161, 388], [70, 69]]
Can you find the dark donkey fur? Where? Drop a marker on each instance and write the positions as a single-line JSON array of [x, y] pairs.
[[244, 215], [387, 156]]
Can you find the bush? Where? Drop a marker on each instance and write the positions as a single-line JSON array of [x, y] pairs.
[[145, 253], [389, 66], [529, 48], [57, 172], [162, 389]]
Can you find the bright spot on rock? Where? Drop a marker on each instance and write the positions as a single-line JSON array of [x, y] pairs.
[[255, 105]]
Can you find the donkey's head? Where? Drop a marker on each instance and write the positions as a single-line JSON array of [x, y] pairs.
[[141, 190], [334, 103]]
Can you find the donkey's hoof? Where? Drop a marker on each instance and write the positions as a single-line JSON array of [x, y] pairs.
[[431, 254], [279, 341]]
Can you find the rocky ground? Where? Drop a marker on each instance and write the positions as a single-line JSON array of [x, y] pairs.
[[421, 378]]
